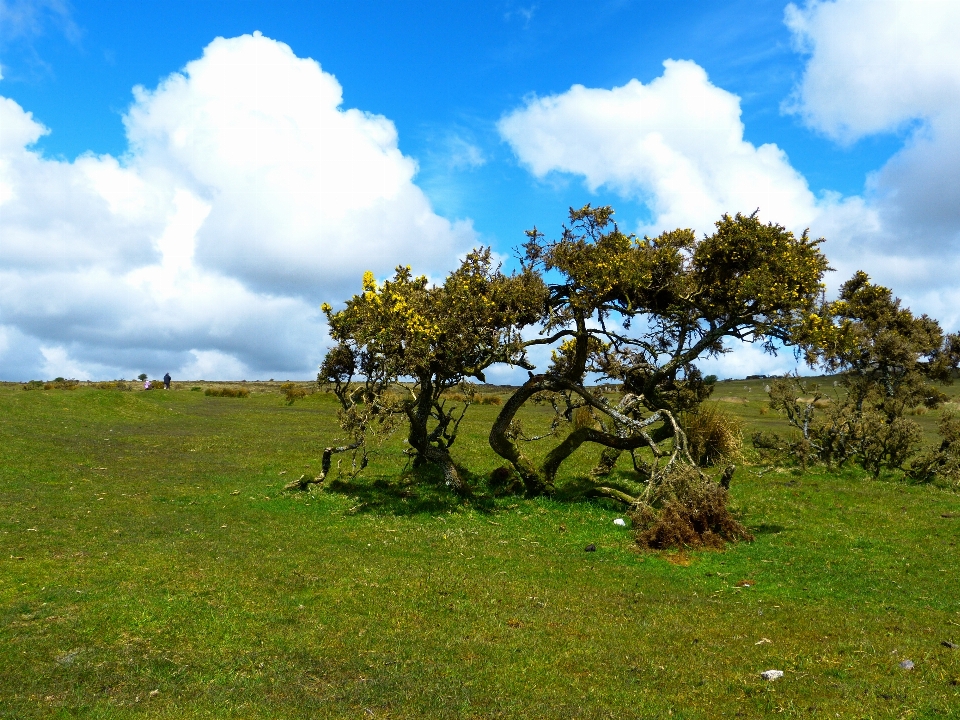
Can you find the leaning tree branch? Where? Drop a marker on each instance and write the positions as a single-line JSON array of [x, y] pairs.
[[304, 482]]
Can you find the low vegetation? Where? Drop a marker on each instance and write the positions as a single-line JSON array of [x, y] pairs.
[[231, 392], [293, 392], [153, 566]]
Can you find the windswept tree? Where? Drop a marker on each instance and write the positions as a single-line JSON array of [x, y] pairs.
[[641, 312], [409, 341], [889, 360]]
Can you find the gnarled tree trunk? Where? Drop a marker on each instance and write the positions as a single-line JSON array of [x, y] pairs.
[[541, 480]]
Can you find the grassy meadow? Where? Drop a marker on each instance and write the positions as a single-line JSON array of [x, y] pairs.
[[152, 566]]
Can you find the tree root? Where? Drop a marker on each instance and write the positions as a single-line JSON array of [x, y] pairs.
[[303, 483], [613, 493]]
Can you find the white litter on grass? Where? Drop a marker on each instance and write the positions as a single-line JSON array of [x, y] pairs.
[[771, 674], [621, 522]]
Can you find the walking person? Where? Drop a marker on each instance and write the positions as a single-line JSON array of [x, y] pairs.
[[166, 381]]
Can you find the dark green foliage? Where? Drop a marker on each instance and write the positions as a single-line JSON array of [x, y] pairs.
[[941, 463], [413, 343], [888, 360], [640, 313], [505, 481], [772, 447]]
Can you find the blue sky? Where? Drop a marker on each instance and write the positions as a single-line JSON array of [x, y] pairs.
[[135, 234]]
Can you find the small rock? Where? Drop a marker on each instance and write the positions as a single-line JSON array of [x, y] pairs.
[[590, 548], [771, 674], [620, 522], [948, 644], [906, 664]]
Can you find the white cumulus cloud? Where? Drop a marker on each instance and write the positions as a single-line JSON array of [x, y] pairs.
[[676, 143], [876, 64], [248, 195], [879, 67], [300, 188]]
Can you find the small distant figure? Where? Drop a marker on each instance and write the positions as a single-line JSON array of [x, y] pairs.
[[146, 384], [166, 381]]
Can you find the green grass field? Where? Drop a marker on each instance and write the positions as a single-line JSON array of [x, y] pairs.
[[150, 565]]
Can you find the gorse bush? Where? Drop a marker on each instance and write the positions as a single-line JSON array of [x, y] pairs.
[[292, 392], [771, 446], [582, 417], [888, 360], [113, 385], [640, 313], [227, 392], [941, 464], [62, 384], [637, 314], [413, 341]]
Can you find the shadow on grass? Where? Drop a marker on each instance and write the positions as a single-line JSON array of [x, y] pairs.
[[582, 489], [422, 491], [414, 492], [765, 529]]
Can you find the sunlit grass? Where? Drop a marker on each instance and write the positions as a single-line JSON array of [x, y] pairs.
[[151, 565]]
